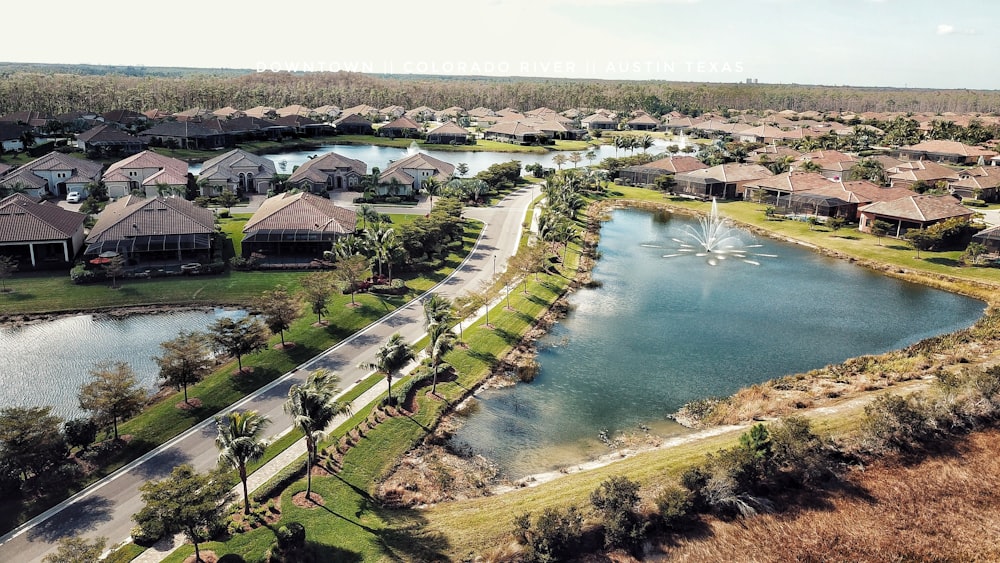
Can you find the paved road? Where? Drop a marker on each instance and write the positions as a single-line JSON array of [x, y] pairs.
[[106, 508]]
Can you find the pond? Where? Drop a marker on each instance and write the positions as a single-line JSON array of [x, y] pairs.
[[285, 162], [663, 331], [45, 363]]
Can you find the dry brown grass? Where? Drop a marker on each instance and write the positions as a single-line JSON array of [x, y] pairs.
[[945, 508]]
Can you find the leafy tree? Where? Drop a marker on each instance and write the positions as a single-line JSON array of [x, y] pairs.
[[352, 270], [390, 358], [112, 394], [869, 169], [616, 499], [240, 442], [77, 550], [238, 337], [880, 229], [80, 432], [30, 441], [313, 406], [383, 242], [921, 239], [591, 155], [185, 360], [554, 536], [975, 252], [228, 199], [559, 159], [186, 501], [7, 268], [114, 269], [279, 310], [316, 289]]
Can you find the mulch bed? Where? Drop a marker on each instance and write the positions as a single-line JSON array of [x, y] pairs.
[[192, 403], [314, 501], [247, 370], [285, 346]]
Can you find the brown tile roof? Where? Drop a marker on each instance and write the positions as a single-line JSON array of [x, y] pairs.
[[916, 170], [347, 117], [449, 128], [221, 167], [133, 216], [172, 171], [77, 167], [295, 109], [403, 123], [731, 172], [674, 164], [423, 161], [106, 133], [303, 211], [949, 147], [513, 128], [482, 112], [644, 119], [362, 109], [260, 112], [227, 111], [919, 208], [400, 176], [318, 169], [23, 219]]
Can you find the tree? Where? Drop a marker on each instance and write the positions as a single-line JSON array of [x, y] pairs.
[[77, 550], [80, 432], [367, 214], [185, 360], [975, 252], [228, 199], [921, 239], [645, 142], [279, 310], [616, 499], [240, 442], [383, 243], [462, 169], [810, 166], [112, 394], [432, 186], [351, 271], [30, 441], [559, 159], [869, 169], [115, 268], [313, 406], [437, 309], [591, 156], [880, 229], [441, 340], [186, 501], [390, 358], [316, 289], [7, 268], [238, 337], [575, 158]]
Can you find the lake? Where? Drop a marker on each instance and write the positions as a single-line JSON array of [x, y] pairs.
[[45, 363], [661, 332]]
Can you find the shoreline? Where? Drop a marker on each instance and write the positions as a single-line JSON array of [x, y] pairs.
[[18, 320]]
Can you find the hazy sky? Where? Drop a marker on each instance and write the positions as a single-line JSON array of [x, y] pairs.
[[916, 43]]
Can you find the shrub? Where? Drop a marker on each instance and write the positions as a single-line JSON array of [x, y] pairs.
[[80, 275], [148, 533], [895, 423], [224, 213], [393, 199], [616, 499], [291, 536], [674, 506], [232, 558], [552, 537]]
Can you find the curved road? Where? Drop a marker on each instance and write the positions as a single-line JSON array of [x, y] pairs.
[[106, 508]]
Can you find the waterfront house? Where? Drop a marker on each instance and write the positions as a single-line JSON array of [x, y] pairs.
[[952, 152], [108, 140], [912, 212], [515, 132], [906, 174], [599, 121], [644, 174], [39, 235], [724, 181], [411, 172], [352, 124], [448, 133], [330, 171], [401, 127], [183, 134], [236, 171]]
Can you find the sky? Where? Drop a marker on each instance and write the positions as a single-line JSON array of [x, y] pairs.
[[889, 43]]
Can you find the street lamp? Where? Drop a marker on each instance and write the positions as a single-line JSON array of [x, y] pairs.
[[494, 265]]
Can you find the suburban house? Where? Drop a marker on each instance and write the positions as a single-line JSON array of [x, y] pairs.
[[54, 174], [599, 121], [248, 128], [760, 134], [643, 122], [421, 113], [11, 136], [228, 112], [906, 174], [982, 182], [329, 172], [194, 114], [124, 117], [390, 113], [682, 124], [648, 173], [158, 231], [400, 127], [952, 152], [352, 124], [262, 112], [327, 112], [236, 171], [724, 181], [411, 172], [811, 193], [295, 109], [773, 153], [39, 235], [32, 119], [515, 132], [448, 133], [832, 164], [183, 134], [990, 238], [364, 110], [303, 126], [913, 212], [450, 113], [300, 224], [108, 140], [559, 129], [149, 173], [714, 127]]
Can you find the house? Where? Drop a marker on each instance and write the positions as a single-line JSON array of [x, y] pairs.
[[125, 117], [247, 128], [649, 173], [300, 224], [559, 129], [54, 174], [183, 134], [643, 122], [262, 112], [411, 172], [236, 171], [448, 134], [390, 113], [453, 112], [330, 171], [12, 136], [33, 119], [515, 132], [352, 124], [981, 183], [158, 231], [990, 238], [906, 174], [401, 127], [725, 181], [952, 152], [327, 112], [228, 112], [599, 121], [107, 140], [42, 235], [194, 114], [147, 172], [304, 126], [481, 111], [714, 127], [832, 164], [295, 109], [912, 212], [421, 113], [760, 134], [773, 153]]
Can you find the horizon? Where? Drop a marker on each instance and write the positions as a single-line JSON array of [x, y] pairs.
[[852, 43]]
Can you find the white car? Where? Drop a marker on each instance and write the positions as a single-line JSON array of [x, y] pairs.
[[73, 197]]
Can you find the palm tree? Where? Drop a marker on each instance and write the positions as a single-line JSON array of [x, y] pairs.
[[575, 158], [437, 309], [390, 358], [382, 243], [432, 186], [368, 214], [313, 407], [239, 442], [440, 341], [645, 142], [559, 160]]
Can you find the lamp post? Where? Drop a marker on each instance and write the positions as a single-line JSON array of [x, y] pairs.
[[494, 265]]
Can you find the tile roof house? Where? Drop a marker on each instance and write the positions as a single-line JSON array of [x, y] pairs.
[[906, 174], [147, 172], [516, 132], [236, 171], [599, 121], [982, 182], [330, 171], [421, 113], [946, 151], [42, 235], [108, 140], [300, 224], [295, 109], [449, 133], [183, 134], [648, 173], [913, 212], [10, 136], [33, 119], [327, 112], [364, 110], [262, 112], [401, 127], [54, 174], [724, 181], [832, 164], [389, 113], [154, 231], [228, 112], [304, 126], [352, 124], [194, 114], [124, 116], [412, 171], [644, 122]]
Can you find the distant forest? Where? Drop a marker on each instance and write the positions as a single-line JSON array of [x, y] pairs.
[[65, 88]]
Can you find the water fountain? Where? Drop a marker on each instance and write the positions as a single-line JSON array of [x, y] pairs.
[[716, 240], [413, 149]]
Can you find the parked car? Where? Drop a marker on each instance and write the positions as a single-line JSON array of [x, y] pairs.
[[73, 197]]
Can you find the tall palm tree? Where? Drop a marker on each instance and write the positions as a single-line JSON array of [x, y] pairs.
[[441, 341], [437, 309], [383, 242], [390, 358], [645, 142], [368, 215], [432, 186], [239, 442], [313, 407]]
